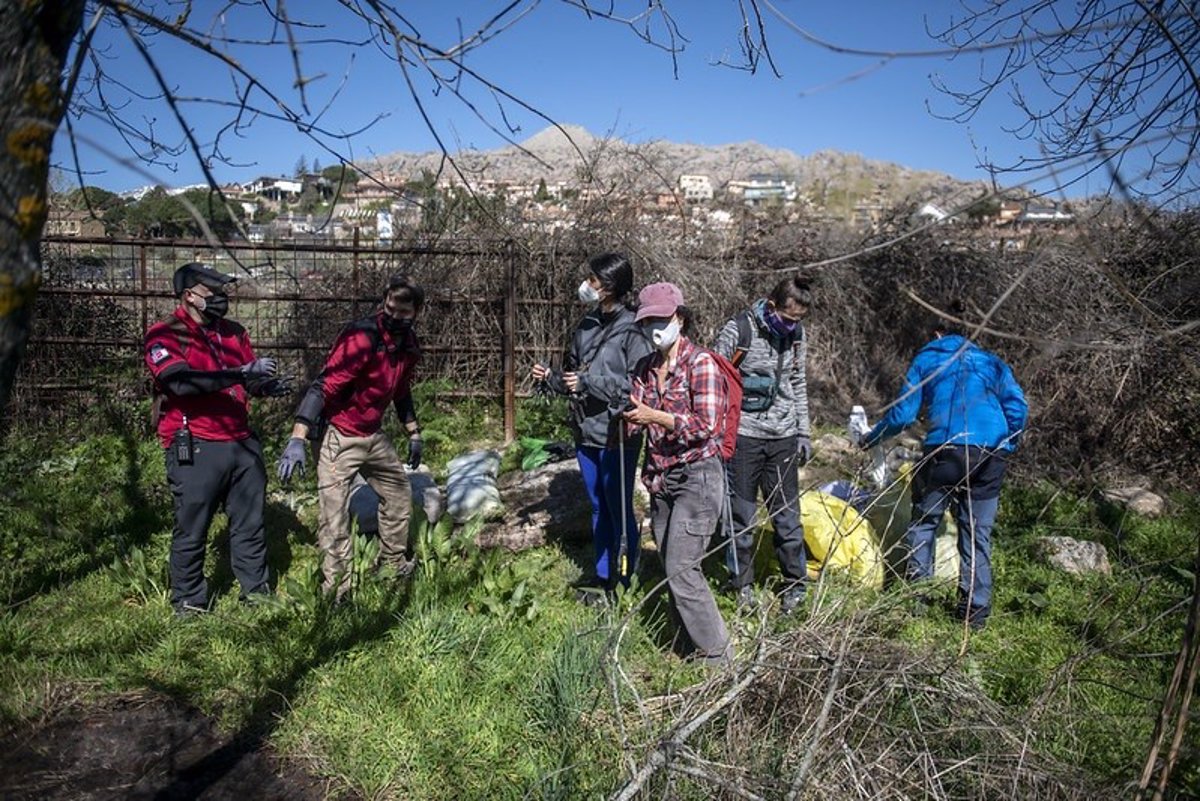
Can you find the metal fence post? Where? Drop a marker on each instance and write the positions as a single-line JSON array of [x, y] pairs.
[[509, 345], [355, 275], [144, 287]]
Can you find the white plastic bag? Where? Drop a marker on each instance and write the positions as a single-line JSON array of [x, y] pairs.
[[858, 427], [471, 486]]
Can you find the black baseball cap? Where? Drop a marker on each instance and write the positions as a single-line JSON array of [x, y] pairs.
[[197, 272]]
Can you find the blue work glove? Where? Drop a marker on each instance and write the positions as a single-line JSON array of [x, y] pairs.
[[293, 458], [804, 449], [262, 367], [415, 446]]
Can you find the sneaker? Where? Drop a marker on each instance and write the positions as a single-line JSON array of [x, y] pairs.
[[791, 599], [746, 599]]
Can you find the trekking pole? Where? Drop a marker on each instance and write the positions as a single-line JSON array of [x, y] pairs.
[[622, 548], [727, 515]]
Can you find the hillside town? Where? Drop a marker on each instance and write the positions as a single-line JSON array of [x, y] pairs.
[[393, 200]]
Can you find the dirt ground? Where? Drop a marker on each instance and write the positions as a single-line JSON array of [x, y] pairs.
[[143, 747]]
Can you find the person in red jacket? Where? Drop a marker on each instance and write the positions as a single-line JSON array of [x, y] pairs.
[[204, 370], [369, 368]]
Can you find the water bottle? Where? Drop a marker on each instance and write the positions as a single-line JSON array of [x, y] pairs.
[[858, 427]]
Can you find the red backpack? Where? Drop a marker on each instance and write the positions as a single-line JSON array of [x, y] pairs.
[[731, 403]]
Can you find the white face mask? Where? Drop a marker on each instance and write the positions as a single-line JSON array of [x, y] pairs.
[[664, 336], [588, 293]]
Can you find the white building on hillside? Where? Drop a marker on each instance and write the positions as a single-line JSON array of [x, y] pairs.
[[932, 212], [762, 189], [696, 187], [275, 188]]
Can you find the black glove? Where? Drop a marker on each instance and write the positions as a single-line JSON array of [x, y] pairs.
[[415, 447], [804, 449], [262, 367], [293, 458], [277, 387]]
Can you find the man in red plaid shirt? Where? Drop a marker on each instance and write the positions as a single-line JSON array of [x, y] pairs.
[[677, 396]]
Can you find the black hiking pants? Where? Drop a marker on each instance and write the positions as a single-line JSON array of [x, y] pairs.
[[766, 467], [232, 473]]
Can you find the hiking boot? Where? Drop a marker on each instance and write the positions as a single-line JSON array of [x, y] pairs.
[[186, 610], [405, 567], [710, 661], [590, 583], [257, 598], [920, 604], [398, 570], [746, 599], [791, 599], [595, 597], [976, 616]]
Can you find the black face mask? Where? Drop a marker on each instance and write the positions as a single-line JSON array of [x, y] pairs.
[[216, 307], [397, 326]]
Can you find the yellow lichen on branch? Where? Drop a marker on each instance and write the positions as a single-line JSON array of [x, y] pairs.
[[31, 216], [30, 145], [42, 98], [15, 296]]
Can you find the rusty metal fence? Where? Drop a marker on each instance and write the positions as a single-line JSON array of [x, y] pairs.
[[492, 309]]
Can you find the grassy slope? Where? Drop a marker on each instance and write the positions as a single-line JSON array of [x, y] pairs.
[[453, 687]]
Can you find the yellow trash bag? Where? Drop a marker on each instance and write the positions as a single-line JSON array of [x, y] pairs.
[[838, 537]]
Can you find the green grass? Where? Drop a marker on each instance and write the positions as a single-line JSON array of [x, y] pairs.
[[1089, 655], [468, 681], [481, 677]]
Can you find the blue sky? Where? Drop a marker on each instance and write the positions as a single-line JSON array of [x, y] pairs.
[[586, 72]]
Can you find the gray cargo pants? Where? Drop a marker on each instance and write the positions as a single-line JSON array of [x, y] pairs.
[[341, 458], [684, 513]]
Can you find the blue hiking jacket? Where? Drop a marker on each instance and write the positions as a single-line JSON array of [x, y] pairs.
[[969, 397]]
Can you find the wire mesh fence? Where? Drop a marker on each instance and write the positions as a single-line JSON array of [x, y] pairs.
[[492, 309]]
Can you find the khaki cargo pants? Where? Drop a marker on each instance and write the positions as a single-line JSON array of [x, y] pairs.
[[375, 458]]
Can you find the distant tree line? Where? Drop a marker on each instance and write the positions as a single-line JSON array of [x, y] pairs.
[[160, 214]]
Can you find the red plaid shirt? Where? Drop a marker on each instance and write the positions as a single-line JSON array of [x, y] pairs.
[[692, 394]]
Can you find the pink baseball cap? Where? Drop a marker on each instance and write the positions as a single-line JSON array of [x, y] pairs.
[[658, 300]]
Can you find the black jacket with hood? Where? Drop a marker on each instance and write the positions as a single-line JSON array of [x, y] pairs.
[[604, 350]]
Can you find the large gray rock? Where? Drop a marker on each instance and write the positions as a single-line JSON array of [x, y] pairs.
[[543, 505], [1077, 557], [1137, 499]]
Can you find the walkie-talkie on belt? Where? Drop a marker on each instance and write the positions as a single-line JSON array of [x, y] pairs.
[[183, 443]]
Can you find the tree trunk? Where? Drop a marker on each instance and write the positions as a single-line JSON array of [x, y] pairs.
[[35, 38]]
